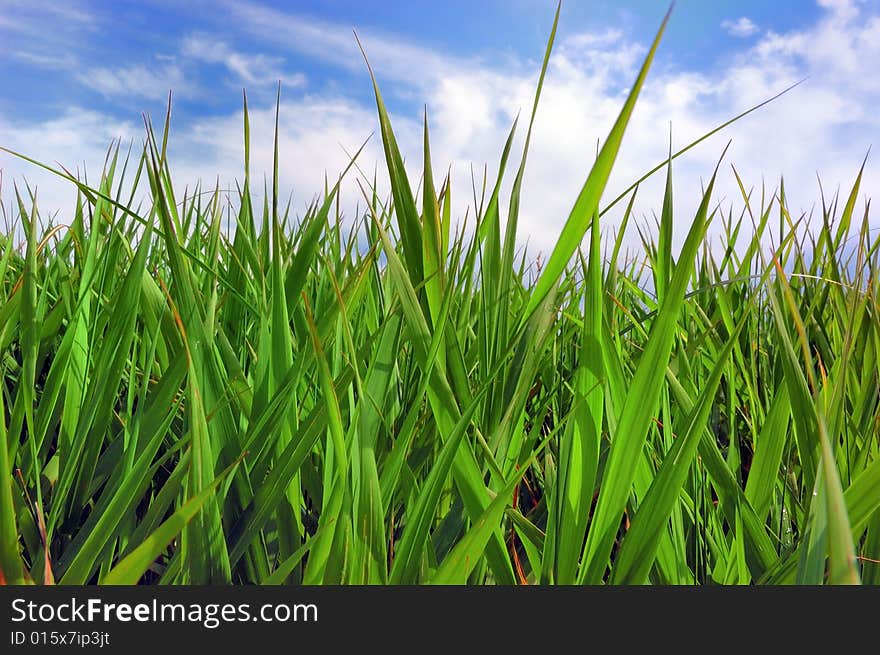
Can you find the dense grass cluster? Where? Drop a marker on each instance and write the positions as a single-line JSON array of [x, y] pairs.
[[205, 390]]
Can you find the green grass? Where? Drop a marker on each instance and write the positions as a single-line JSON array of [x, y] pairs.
[[395, 400]]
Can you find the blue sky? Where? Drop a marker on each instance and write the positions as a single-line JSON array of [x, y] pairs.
[[75, 75], [51, 47]]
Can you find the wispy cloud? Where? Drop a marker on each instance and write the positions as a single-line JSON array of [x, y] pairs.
[[31, 18], [45, 35], [396, 57], [137, 81], [251, 69], [742, 27], [60, 62]]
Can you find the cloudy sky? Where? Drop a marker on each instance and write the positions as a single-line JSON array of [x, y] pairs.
[[76, 75]]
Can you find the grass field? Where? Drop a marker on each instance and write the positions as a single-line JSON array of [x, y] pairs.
[[200, 389]]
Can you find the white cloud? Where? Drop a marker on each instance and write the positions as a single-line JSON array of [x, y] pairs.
[[741, 27], [29, 18], [65, 61], [314, 134], [248, 69], [152, 82], [397, 58], [843, 9], [46, 35], [78, 140], [594, 40]]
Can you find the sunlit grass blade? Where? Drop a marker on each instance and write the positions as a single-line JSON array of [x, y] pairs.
[[588, 200], [636, 554], [640, 404]]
